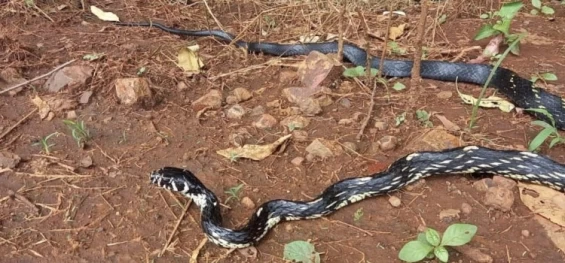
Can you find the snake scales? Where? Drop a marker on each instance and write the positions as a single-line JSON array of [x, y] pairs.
[[523, 166]]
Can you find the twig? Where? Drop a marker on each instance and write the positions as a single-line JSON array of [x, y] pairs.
[[175, 229], [194, 255], [17, 124], [36, 78], [213, 16], [340, 30], [416, 78], [24, 200], [379, 73]]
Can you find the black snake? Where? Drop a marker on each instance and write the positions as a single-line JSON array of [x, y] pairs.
[[523, 166]]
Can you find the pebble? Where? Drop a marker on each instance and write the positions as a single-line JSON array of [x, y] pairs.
[[417, 185], [257, 111], [387, 143], [266, 121], [247, 202], [212, 100], [297, 161], [182, 86], [350, 146], [525, 233], [299, 135], [499, 198], [466, 208], [380, 125], [345, 102], [345, 122], [235, 112], [449, 215], [394, 201]]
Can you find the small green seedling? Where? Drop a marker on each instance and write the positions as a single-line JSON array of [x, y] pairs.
[[424, 117], [545, 77], [44, 143], [233, 192], [358, 214], [430, 243], [502, 24], [538, 7], [234, 157], [549, 132], [399, 119], [358, 71], [301, 251], [398, 86], [79, 131], [396, 49]]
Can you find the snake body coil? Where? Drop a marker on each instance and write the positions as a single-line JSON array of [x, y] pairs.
[[523, 166]]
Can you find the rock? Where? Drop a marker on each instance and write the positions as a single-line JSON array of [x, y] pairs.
[[299, 136], [212, 100], [86, 162], [231, 100], [295, 122], [346, 86], [237, 139], [297, 161], [182, 86], [380, 125], [133, 90], [322, 148], [350, 146], [444, 94], [387, 143], [466, 208], [345, 122], [504, 182], [448, 215], [257, 111], [416, 185], [499, 198], [242, 94], [325, 100], [247, 202], [525, 233], [70, 77], [235, 112], [310, 106], [274, 104], [266, 121], [287, 76], [71, 115], [483, 185], [345, 102], [85, 97], [394, 201], [9, 160]]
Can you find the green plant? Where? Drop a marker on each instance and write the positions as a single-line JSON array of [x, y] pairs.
[[545, 77], [399, 119], [549, 131], [358, 71], [44, 143], [424, 117], [503, 19], [430, 243], [358, 214], [79, 131], [538, 7], [395, 48], [301, 251], [233, 193]]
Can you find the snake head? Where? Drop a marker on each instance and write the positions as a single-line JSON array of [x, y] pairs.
[[177, 179]]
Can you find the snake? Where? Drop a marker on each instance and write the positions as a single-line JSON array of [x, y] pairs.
[[518, 165]]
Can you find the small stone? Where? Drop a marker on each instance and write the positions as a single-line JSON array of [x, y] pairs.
[[295, 122], [132, 90], [257, 111], [86, 162], [345, 122], [466, 208], [483, 185], [297, 161], [299, 135], [70, 77], [449, 215], [266, 121], [345, 102], [444, 94], [182, 86], [394, 201], [525, 233], [504, 182], [346, 86], [325, 100], [237, 139], [85, 97], [274, 104], [231, 100], [242, 94], [319, 149], [499, 198], [235, 112], [417, 185], [71, 115], [380, 125], [350, 146], [212, 100], [287, 76], [247, 202], [387, 143]]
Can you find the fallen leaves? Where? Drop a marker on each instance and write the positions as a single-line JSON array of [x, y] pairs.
[[189, 61], [252, 151], [103, 15]]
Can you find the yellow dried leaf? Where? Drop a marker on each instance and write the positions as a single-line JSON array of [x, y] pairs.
[[189, 61], [545, 201], [252, 151], [42, 106], [396, 31], [104, 16], [490, 102]]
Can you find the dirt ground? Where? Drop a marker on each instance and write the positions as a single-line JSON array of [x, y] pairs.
[[109, 212]]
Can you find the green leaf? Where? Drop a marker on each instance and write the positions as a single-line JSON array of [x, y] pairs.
[[441, 254], [485, 31], [398, 86], [555, 141], [414, 251], [534, 12], [547, 10], [515, 49], [509, 10], [484, 16], [358, 72], [422, 238], [542, 124], [536, 3], [534, 78], [544, 112], [458, 234], [540, 138], [301, 251], [432, 236], [503, 26], [548, 76]]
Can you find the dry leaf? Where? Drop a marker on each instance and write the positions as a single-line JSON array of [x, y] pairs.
[[553, 231], [396, 31], [42, 106], [189, 61], [254, 152], [490, 102], [450, 126], [104, 16], [545, 201]]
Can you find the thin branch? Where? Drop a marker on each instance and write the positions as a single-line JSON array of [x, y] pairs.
[[36, 78]]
